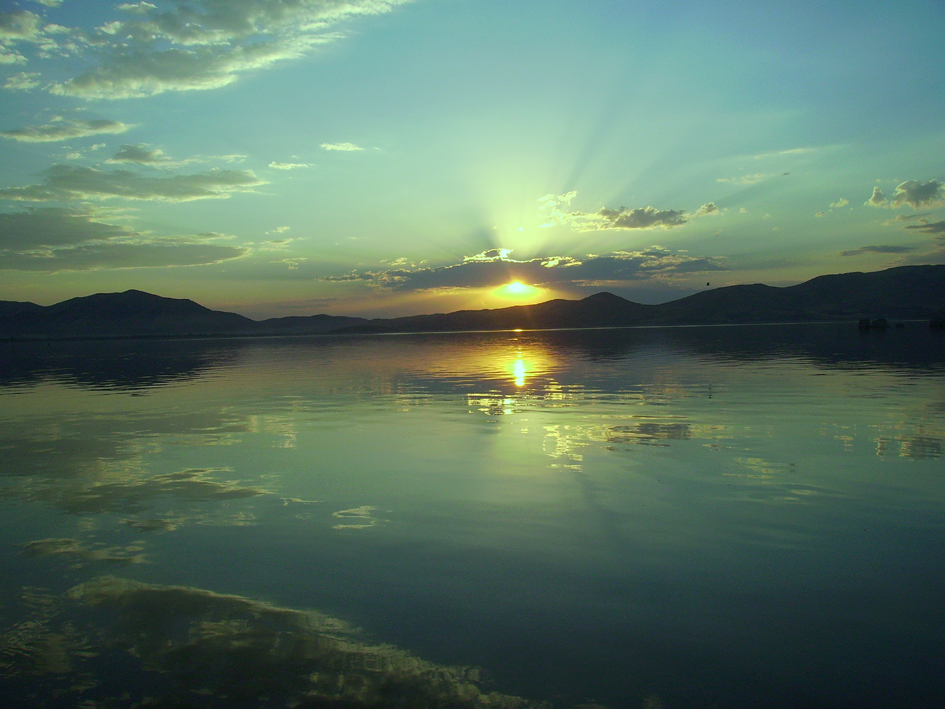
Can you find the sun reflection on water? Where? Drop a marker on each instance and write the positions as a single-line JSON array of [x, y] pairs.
[[518, 368]]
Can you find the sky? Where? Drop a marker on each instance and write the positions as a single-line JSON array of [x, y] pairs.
[[395, 157]]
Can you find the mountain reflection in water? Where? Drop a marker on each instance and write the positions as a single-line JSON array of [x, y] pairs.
[[678, 517]]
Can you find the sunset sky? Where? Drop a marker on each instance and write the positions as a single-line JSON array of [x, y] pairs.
[[387, 157]]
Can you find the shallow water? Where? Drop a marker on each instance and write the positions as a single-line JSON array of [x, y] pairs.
[[690, 517]]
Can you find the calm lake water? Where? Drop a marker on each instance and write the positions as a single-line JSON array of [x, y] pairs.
[[692, 517]]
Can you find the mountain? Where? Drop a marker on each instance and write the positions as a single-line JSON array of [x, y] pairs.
[[135, 313], [901, 293], [907, 292]]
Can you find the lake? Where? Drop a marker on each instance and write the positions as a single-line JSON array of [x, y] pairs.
[[649, 518]]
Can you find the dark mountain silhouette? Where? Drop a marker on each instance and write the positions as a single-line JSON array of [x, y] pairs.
[[908, 292], [135, 313]]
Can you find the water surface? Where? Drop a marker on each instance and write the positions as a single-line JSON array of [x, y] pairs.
[[690, 517]]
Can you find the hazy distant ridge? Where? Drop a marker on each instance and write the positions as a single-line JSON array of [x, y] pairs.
[[897, 293]]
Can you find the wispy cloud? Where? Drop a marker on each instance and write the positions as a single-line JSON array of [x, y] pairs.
[[347, 147], [61, 128], [139, 153], [782, 153], [745, 179], [204, 44], [23, 81], [878, 249], [288, 165], [931, 228], [144, 154], [52, 239], [67, 182]]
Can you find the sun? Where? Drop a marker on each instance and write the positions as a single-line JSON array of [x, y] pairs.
[[518, 293], [517, 288]]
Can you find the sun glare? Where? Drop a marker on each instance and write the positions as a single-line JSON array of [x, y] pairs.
[[517, 288], [519, 370]]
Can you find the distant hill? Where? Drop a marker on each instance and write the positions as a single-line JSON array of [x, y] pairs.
[[135, 313], [908, 292]]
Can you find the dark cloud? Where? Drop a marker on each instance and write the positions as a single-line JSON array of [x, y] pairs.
[[878, 249], [67, 182], [919, 194], [933, 228], [910, 217], [64, 129], [485, 271], [52, 240], [641, 218], [621, 218], [915, 193], [49, 227]]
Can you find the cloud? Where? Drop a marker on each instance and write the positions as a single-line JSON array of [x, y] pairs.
[[490, 255], [24, 81], [138, 153], [348, 147], [288, 165], [840, 203], [143, 154], [7, 57], [133, 74], [744, 179], [276, 244], [933, 228], [51, 227], [553, 203], [494, 268], [51, 240], [915, 193], [878, 199], [878, 249], [920, 216], [919, 194], [205, 44], [778, 153], [137, 8], [64, 129], [67, 182], [640, 218], [20, 26], [621, 218], [707, 209]]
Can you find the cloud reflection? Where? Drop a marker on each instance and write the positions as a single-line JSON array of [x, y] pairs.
[[178, 641]]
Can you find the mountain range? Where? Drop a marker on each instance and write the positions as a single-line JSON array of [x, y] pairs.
[[907, 292]]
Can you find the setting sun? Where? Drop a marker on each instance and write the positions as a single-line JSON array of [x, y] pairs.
[[517, 288]]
